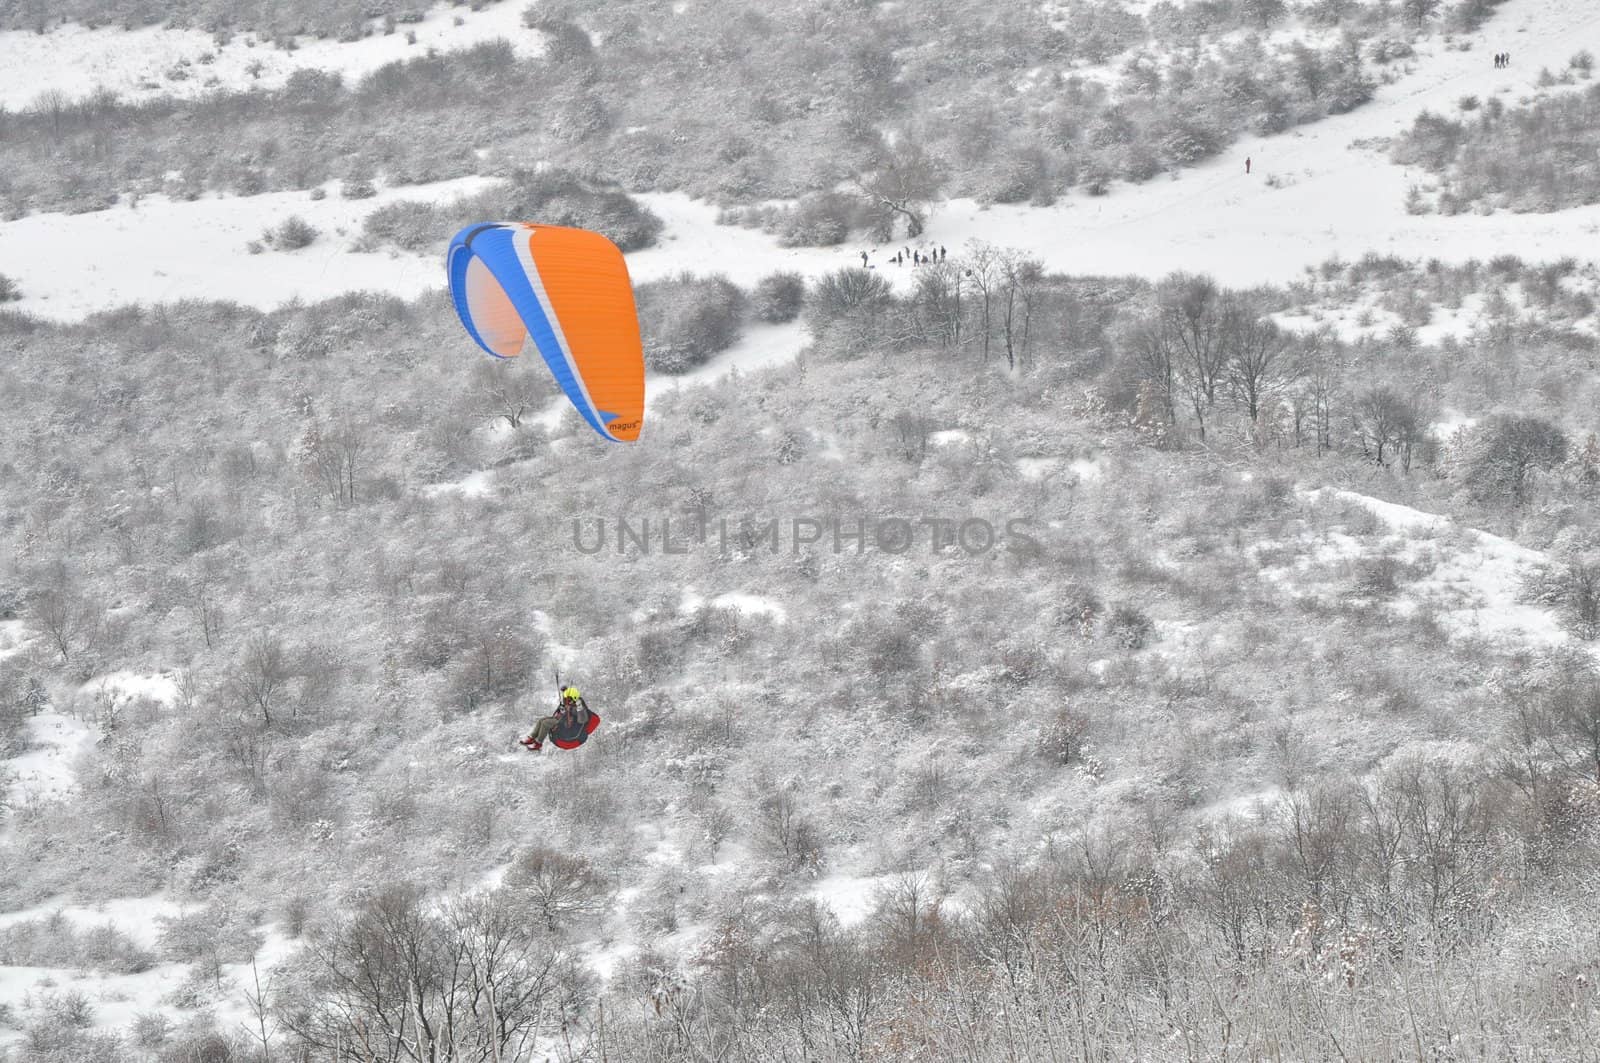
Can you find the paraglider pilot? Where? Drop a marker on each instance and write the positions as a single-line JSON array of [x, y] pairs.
[[571, 717]]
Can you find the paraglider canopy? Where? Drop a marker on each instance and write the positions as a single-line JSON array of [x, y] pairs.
[[567, 290]]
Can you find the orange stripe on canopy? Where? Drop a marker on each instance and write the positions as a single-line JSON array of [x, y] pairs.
[[586, 280]]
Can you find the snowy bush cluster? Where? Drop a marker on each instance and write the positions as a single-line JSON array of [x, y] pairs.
[[553, 197], [272, 20], [687, 319], [804, 100], [1537, 157]]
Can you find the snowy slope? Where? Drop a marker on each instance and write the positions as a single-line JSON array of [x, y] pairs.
[[1476, 586], [154, 62], [163, 250], [1335, 199]]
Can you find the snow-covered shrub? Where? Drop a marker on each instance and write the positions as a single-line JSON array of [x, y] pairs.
[[1376, 577], [1061, 739], [687, 319], [559, 197], [820, 219], [778, 298], [1350, 90], [10, 291], [844, 290], [151, 1029], [358, 188], [1019, 176], [1389, 49], [1130, 627], [408, 225], [56, 942], [1573, 587], [292, 235]]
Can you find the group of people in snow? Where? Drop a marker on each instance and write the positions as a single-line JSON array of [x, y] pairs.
[[1502, 60], [914, 255]]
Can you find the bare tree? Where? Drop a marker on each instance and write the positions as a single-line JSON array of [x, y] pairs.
[[1155, 361], [261, 673], [787, 831], [1388, 426], [902, 180], [407, 980], [1020, 277], [937, 301], [557, 886], [1257, 351], [201, 595], [1191, 318], [911, 431], [1573, 708], [510, 389], [1320, 372], [982, 271], [1508, 451], [71, 620], [54, 105], [333, 455]]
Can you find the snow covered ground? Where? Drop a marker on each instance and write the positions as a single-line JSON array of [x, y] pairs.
[[155, 61], [1336, 194], [750, 604], [1476, 585], [852, 898], [44, 772], [137, 917], [164, 250]]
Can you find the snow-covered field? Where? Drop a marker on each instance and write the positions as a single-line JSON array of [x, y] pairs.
[[154, 61], [45, 770], [164, 250], [1474, 585], [1336, 194]]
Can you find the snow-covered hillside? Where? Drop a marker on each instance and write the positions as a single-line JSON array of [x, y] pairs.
[[1211, 707], [1317, 192], [155, 62]]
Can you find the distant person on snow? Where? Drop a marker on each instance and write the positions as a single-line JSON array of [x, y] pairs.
[[941, 253], [1247, 164], [863, 260], [572, 714]]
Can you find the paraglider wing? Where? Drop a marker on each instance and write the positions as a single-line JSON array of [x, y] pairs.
[[567, 290]]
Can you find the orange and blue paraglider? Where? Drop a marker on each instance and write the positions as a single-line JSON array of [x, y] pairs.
[[568, 289]]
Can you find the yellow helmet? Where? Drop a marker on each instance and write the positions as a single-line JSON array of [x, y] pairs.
[[571, 693]]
